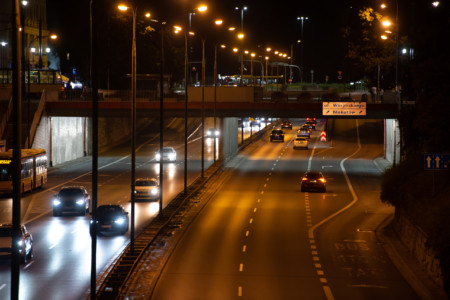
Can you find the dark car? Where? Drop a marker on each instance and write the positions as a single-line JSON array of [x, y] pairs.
[[277, 135], [72, 199], [313, 181], [286, 124], [110, 219], [25, 242], [311, 124]]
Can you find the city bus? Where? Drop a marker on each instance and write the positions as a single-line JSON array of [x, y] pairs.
[[34, 170]]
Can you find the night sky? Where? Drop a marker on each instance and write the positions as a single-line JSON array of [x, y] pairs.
[[266, 23]]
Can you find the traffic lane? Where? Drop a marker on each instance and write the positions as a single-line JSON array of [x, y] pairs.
[[206, 262], [277, 261], [355, 263]]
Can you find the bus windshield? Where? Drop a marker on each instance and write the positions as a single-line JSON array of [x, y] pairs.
[[5, 174]]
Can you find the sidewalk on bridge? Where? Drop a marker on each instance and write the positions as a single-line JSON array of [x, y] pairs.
[[403, 259]]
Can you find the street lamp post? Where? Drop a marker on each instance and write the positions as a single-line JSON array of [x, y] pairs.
[[302, 19], [242, 9], [133, 121]]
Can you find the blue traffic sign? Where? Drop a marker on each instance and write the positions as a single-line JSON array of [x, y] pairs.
[[323, 121], [437, 161]]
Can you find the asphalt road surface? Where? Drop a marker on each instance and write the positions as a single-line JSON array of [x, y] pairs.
[[62, 245], [260, 237]]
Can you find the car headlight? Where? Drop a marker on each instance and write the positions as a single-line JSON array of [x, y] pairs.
[[172, 156], [20, 243], [80, 202], [158, 156], [217, 133], [56, 202], [154, 192], [119, 221]]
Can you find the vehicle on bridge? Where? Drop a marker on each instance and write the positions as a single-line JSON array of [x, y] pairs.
[[34, 170]]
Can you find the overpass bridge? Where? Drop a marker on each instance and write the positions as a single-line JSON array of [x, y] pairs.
[[58, 122]]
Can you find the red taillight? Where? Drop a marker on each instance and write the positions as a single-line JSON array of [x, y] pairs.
[[322, 179], [304, 179]]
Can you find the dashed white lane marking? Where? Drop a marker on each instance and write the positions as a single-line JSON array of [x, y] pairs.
[[262, 192], [255, 209], [2, 286], [28, 264], [53, 246], [247, 233], [259, 200], [320, 272], [240, 291], [265, 185], [244, 248], [251, 221], [241, 267], [323, 280]]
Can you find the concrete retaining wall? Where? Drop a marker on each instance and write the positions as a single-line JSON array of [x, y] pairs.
[[392, 141], [415, 240], [69, 138]]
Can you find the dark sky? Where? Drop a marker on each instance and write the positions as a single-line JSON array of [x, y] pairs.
[[265, 23]]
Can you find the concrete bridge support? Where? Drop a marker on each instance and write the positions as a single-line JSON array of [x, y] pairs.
[[392, 141]]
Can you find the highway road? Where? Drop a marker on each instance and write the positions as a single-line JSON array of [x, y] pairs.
[[62, 245], [260, 237]]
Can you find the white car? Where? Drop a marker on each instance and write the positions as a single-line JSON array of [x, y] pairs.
[[301, 142], [168, 154], [146, 188]]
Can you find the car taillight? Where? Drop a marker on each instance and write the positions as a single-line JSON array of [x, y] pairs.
[[304, 179], [322, 179]]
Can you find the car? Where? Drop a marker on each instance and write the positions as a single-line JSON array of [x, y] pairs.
[[212, 133], [73, 199], [109, 218], [286, 124], [311, 124], [313, 181], [25, 242], [168, 154], [304, 132], [305, 127], [300, 142], [277, 135], [146, 188], [310, 119]]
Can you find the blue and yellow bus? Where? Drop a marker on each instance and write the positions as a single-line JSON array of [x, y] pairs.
[[34, 170]]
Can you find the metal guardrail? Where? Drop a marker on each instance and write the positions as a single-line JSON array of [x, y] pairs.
[[112, 284]]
